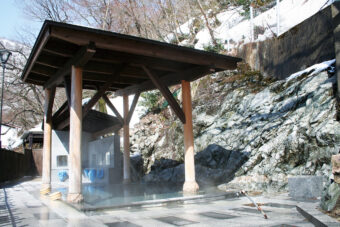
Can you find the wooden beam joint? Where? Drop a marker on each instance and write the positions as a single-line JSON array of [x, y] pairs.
[[113, 108], [132, 108], [166, 93]]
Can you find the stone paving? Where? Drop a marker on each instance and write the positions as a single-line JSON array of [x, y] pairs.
[[21, 205]]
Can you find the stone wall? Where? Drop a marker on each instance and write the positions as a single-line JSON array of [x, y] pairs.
[[14, 165], [306, 44]]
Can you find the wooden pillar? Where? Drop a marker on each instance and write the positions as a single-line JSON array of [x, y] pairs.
[[126, 178], [190, 184], [46, 165], [75, 170]]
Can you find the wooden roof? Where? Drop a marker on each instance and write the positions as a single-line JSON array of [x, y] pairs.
[[121, 59]]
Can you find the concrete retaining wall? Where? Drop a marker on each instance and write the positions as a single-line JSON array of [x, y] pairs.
[[308, 43], [102, 154]]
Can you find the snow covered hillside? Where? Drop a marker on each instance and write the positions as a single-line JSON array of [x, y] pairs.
[[234, 29]]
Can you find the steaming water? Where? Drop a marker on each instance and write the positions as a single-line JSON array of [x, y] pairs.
[[96, 195]]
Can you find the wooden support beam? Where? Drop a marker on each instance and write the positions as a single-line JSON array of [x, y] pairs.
[[190, 184], [75, 169], [166, 93], [126, 155], [79, 59], [168, 80], [60, 111], [50, 94], [67, 84], [132, 108], [113, 108], [46, 165]]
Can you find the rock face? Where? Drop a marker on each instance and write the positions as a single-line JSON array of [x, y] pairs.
[[331, 197], [213, 165], [286, 127], [136, 167]]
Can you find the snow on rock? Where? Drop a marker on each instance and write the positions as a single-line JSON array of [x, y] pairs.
[[315, 69]]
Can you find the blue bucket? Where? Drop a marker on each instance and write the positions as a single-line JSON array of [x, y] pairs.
[[100, 173], [62, 176], [92, 174]]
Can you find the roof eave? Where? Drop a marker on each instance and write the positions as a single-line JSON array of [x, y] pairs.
[[43, 37]]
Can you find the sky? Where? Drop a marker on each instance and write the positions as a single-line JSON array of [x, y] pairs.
[[14, 22]]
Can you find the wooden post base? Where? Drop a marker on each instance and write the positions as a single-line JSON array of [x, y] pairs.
[[190, 187], [75, 198], [45, 189]]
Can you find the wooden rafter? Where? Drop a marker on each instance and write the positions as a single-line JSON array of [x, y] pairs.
[[113, 58], [39, 48], [113, 108], [168, 80], [60, 111], [67, 84], [49, 105], [121, 79], [166, 93], [79, 59], [102, 89]]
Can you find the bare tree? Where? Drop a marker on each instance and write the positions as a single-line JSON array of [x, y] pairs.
[[211, 31], [48, 9]]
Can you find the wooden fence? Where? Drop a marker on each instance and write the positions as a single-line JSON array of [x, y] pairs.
[[14, 165]]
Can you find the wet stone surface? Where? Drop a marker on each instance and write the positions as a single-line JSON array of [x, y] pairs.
[[222, 212], [121, 224], [216, 215], [175, 221]]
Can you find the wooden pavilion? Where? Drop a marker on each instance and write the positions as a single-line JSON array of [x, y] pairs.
[[79, 58]]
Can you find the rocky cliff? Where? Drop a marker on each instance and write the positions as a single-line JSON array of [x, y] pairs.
[[286, 127]]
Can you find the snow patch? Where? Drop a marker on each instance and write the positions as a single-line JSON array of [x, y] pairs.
[[317, 68], [235, 30]]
